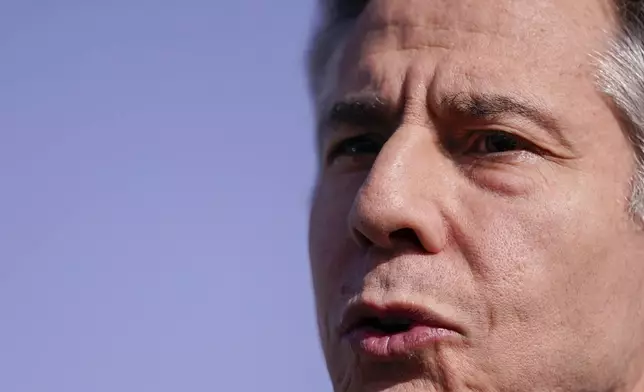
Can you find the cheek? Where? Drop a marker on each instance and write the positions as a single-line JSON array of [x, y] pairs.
[[330, 246], [505, 259], [542, 244], [330, 250], [527, 255], [545, 268]]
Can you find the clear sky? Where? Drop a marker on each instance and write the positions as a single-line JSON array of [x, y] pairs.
[[156, 159]]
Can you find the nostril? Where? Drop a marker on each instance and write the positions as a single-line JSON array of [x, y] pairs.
[[406, 235]]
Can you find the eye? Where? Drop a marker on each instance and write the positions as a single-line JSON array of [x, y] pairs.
[[497, 142], [355, 147]]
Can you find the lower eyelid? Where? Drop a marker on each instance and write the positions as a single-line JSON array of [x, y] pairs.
[[509, 157], [506, 157]]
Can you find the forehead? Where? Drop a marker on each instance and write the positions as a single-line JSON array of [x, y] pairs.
[[501, 44]]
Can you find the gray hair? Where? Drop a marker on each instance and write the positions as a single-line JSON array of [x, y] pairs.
[[620, 70], [621, 77]]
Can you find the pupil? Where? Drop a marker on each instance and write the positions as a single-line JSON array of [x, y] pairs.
[[500, 143], [359, 147]]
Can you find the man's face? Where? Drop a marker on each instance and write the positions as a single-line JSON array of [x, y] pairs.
[[469, 229]]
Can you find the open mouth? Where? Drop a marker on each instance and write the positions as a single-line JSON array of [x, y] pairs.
[[397, 329], [388, 325], [387, 321]]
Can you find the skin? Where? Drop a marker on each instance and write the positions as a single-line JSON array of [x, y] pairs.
[[529, 249]]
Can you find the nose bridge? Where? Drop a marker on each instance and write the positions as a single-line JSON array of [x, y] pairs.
[[389, 175], [395, 201]]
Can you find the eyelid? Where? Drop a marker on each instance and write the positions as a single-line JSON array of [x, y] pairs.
[[332, 137], [330, 148], [331, 143], [474, 135]]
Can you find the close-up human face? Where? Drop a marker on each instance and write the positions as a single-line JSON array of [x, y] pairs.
[[470, 226]]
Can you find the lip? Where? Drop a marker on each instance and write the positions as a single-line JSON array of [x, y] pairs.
[[426, 329]]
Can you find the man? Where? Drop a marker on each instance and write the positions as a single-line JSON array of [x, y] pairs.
[[477, 216]]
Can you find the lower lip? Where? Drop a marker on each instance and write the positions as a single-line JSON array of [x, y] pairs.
[[376, 343]]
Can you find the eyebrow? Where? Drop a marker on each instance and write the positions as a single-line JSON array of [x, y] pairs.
[[370, 109], [360, 110]]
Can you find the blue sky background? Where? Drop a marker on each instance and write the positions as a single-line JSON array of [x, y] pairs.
[[156, 159]]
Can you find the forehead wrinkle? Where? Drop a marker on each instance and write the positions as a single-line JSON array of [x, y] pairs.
[[453, 16], [453, 24], [497, 15], [377, 40]]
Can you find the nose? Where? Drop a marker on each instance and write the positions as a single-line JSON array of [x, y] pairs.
[[399, 202]]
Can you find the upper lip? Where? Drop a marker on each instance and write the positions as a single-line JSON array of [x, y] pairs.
[[359, 313]]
